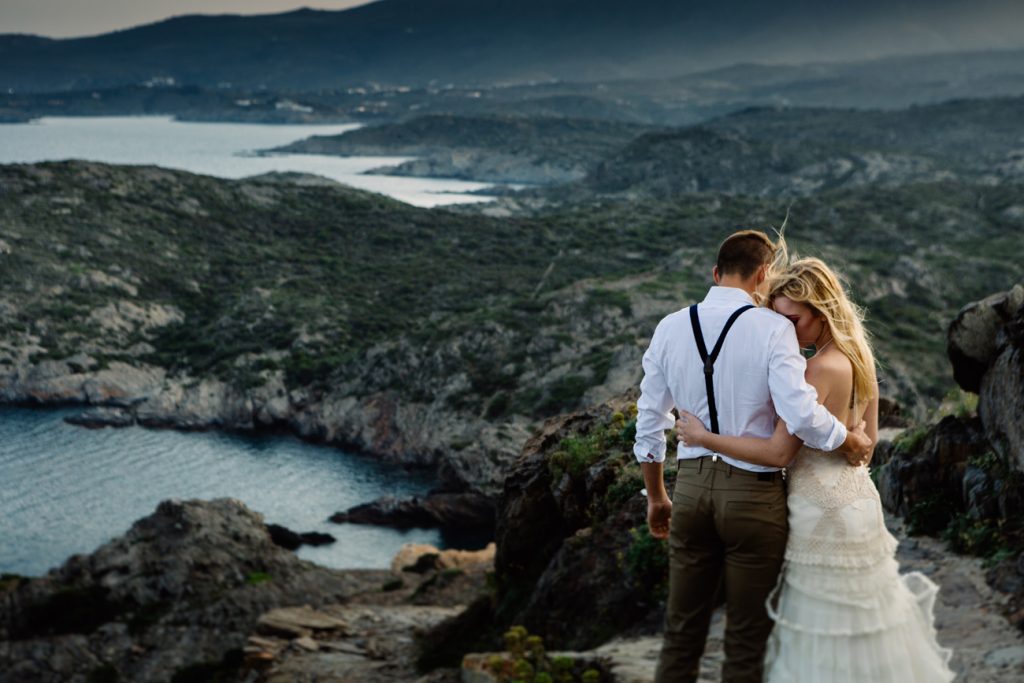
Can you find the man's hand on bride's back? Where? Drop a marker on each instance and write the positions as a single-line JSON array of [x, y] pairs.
[[858, 446]]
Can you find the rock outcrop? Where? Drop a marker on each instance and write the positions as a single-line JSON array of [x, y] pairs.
[[986, 348], [964, 476], [927, 468], [183, 587], [574, 561], [291, 540], [457, 511]]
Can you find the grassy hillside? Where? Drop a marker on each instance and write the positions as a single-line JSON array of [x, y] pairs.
[[309, 279]]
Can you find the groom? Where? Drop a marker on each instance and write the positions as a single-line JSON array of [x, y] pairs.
[[727, 520]]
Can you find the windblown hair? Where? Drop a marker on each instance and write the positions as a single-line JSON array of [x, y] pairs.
[[809, 281]]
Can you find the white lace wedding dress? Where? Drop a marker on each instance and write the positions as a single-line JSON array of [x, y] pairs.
[[844, 613]]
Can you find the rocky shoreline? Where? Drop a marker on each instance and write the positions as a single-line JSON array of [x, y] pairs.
[[123, 394], [203, 590]]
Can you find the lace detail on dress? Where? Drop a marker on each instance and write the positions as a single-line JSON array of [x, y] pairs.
[[818, 550], [846, 484], [823, 490]]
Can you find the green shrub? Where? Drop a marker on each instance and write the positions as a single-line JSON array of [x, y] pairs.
[[608, 298], [525, 660], [575, 454], [564, 395], [646, 561], [627, 485], [255, 578], [969, 536], [929, 516], [909, 440]]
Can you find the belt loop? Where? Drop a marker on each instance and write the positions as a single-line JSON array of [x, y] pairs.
[[700, 465], [730, 471]]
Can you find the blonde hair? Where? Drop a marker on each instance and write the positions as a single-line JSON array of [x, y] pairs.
[[810, 281]]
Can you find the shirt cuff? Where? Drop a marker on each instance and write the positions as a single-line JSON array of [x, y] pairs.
[[649, 453], [837, 437]]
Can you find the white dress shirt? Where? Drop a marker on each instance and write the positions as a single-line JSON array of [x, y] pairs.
[[758, 376]]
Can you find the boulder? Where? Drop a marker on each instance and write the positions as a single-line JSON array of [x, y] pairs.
[[985, 344], [298, 622], [971, 340], [1001, 398], [286, 538], [418, 554], [466, 511]]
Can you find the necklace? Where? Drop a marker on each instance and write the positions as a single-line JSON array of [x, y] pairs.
[[812, 350]]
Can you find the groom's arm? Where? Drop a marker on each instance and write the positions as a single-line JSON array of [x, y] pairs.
[[654, 408], [796, 401], [653, 417]]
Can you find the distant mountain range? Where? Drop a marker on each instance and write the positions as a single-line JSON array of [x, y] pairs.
[[475, 42]]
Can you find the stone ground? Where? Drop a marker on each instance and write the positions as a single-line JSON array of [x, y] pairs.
[[370, 638], [987, 649]]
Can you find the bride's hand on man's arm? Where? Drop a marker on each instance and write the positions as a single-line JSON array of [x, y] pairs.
[[777, 451]]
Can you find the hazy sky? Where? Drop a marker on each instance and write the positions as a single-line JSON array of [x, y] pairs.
[[62, 18]]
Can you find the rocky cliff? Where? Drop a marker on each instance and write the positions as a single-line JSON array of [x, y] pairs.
[[575, 563], [963, 477]]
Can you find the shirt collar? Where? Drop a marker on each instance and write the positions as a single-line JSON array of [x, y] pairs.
[[719, 294]]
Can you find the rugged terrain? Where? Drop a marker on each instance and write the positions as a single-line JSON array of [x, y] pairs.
[[759, 151], [431, 337], [197, 591], [200, 590]]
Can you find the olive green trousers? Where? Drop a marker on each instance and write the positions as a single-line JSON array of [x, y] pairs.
[[728, 530]]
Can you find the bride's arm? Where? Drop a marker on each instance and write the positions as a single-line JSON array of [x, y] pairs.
[[776, 451]]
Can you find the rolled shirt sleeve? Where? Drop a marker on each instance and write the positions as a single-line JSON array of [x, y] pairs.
[[796, 401], [654, 407]]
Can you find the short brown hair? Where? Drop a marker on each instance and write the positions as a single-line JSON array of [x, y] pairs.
[[743, 252]]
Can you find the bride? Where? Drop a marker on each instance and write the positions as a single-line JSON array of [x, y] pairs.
[[842, 611]]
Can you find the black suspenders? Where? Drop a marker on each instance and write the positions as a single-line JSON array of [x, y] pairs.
[[709, 361]]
